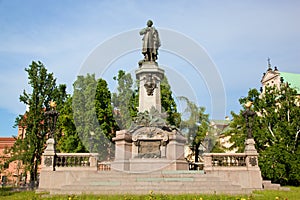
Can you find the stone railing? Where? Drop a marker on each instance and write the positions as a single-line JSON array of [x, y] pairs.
[[75, 159], [104, 166], [53, 161], [239, 168], [225, 159]]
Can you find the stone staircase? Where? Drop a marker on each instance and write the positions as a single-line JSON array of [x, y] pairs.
[[165, 182], [268, 185]]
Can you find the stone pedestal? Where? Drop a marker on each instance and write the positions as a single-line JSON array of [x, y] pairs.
[[48, 158], [123, 151], [149, 76], [175, 150], [149, 149], [250, 146], [254, 173], [153, 145]]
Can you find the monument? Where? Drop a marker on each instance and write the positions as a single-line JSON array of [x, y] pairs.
[[151, 152], [150, 144]]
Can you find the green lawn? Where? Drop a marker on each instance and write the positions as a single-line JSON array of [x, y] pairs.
[[293, 194]]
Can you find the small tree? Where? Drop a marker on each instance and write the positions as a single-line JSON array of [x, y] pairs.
[[93, 114], [30, 148], [196, 126]]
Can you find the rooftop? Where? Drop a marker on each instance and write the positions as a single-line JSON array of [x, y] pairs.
[[293, 79], [6, 142]]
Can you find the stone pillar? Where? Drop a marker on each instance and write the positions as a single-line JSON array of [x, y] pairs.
[[251, 154], [254, 173], [123, 151], [48, 158], [175, 151], [207, 161], [149, 76], [93, 160]]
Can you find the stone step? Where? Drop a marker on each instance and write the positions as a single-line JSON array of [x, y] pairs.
[[161, 187], [183, 188], [142, 184], [149, 178], [166, 174], [267, 184], [157, 188], [150, 182], [147, 192], [167, 182]]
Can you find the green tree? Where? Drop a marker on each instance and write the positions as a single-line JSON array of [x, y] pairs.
[[67, 137], [196, 125], [92, 122], [104, 110], [30, 148], [275, 130], [168, 103], [125, 100]]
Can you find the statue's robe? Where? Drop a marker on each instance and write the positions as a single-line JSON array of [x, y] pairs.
[[151, 41]]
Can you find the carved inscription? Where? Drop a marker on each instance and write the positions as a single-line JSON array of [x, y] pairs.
[[149, 149]]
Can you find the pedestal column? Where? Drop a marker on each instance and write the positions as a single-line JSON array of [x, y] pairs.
[[149, 76], [123, 151]]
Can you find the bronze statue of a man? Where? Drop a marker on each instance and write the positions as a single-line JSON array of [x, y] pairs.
[[151, 42]]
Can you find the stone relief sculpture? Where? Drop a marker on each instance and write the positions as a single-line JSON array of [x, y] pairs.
[[150, 85]]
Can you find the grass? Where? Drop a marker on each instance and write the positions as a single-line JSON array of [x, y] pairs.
[[293, 194]]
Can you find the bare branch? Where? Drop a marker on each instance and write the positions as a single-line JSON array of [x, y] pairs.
[[269, 127]]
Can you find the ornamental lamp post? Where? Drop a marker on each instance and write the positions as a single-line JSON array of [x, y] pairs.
[[49, 154], [249, 143], [51, 117], [248, 114]]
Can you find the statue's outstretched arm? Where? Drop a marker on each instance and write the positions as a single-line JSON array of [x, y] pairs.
[[143, 31]]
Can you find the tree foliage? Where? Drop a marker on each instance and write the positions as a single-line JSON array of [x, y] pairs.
[[196, 125], [168, 103], [30, 148], [67, 138], [275, 130], [93, 114], [125, 100], [104, 110]]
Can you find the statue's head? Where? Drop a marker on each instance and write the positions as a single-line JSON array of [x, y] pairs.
[[149, 23]]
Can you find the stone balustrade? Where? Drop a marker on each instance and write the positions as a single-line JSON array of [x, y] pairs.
[[225, 159], [76, 160], [53, 161], [104, 166], [241, 168]]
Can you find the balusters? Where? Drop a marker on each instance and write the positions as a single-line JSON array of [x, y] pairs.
[[72, 160], [228, 160]]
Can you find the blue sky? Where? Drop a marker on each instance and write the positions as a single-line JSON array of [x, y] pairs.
[[238, 37]]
